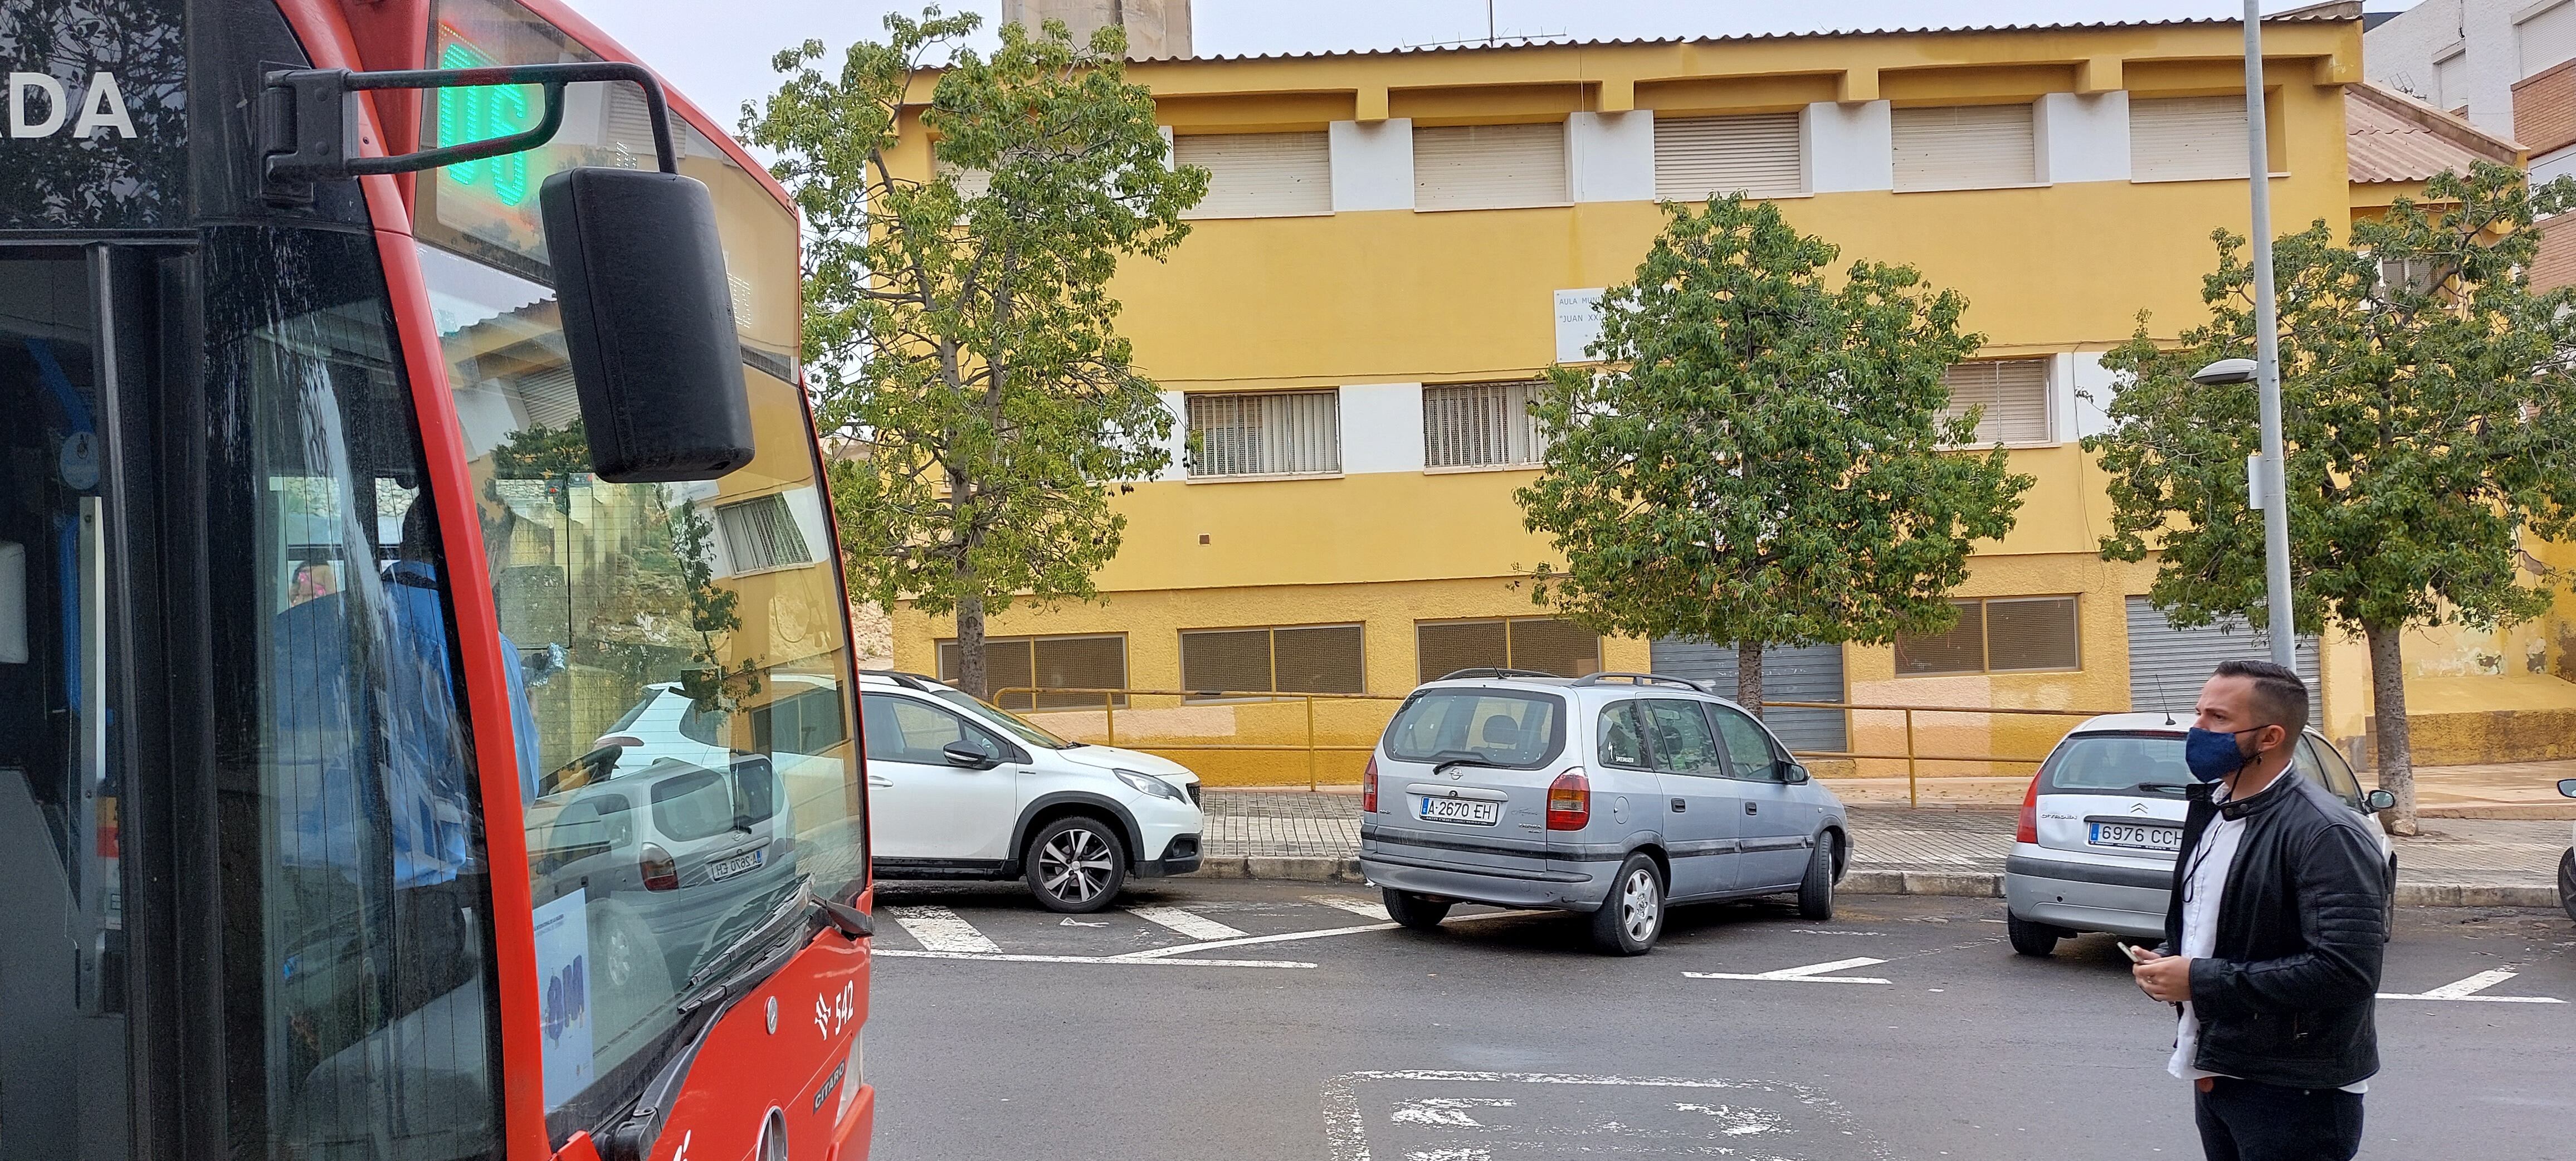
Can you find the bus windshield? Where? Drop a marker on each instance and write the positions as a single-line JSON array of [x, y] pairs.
[[686, 759]]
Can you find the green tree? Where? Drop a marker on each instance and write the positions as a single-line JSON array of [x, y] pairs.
[[958, 326], [2429, 422], [1761, 460]]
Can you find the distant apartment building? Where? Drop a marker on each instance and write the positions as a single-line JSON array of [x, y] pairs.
[[1397, 244]]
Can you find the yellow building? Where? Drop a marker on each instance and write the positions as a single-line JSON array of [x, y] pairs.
[[1396, 243]]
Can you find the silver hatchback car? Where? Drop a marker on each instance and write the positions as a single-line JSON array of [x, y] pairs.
[[2094, 850], [1611, 795]]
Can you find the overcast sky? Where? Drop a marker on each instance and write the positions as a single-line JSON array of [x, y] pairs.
[[722, 61]]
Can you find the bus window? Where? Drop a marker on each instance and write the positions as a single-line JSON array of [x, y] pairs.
[[62, 1021], [354, 877]]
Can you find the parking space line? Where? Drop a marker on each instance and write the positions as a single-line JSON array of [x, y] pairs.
[[1357, 906], [1194, 926], [940, 929], [1813, 973], [2468, 989], [1293, 936]]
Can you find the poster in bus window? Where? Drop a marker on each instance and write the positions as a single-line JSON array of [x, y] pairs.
[[563, 977]]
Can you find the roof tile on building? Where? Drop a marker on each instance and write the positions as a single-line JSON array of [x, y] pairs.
[[2389, 136], [2332, 10]]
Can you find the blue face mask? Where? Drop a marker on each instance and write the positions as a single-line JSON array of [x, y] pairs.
[[2212, 754]]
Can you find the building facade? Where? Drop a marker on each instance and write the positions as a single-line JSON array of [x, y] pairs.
[[1396, 244]]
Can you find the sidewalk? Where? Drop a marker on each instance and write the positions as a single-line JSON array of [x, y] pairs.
[[1942, 850], [2518, 790]]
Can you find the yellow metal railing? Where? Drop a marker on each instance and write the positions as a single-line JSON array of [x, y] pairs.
[[1913, 761], [1110, 700]]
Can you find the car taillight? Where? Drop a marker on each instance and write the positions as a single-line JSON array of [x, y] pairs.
[[1569, 801], [1368, 786], [660, 873], [2028, 830]]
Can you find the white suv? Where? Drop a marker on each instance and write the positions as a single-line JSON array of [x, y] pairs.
[[960, 790]]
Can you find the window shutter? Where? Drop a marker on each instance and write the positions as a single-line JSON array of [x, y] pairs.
[[1961, 650], [1260, 175], [2032, 633], [2013, 392], [1480, 424], [1965, 147], [971, 182], [2544, 40], [1549, 645], [1325, 659], [1477, 167], [1078, 663], [1226, 660], [2183, 138], [1286, 433], [1699, 157], [2451, 82], [761, 534], [1445, 647]]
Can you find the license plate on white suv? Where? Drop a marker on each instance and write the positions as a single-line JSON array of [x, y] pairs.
[[728, 868], [2136, 836], [1472, 811]]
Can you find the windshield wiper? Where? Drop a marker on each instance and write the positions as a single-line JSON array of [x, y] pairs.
[[2164, 787], [1445, 760]]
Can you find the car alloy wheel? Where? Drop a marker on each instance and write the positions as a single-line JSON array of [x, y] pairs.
[[1075, 865], [1641, 904]]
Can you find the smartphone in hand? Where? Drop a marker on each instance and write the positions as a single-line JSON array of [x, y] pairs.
[[2138, 954]]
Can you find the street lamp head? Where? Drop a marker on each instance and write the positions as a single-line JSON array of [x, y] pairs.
[[2225, 372]]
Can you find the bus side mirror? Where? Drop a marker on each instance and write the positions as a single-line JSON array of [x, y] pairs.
[[2378, 800], [648, 323]]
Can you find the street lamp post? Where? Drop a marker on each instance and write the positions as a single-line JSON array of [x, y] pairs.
[[2267, 352]]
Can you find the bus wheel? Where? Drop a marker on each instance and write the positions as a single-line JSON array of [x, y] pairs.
[[1076, 864]]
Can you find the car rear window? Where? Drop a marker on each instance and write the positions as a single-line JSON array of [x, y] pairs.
[[2115, 764], [1502, 727]]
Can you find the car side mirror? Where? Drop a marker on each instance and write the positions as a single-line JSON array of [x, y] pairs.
[[961, 754], [648, 324], [2379, 800], [2567, 786], [1793, 773]]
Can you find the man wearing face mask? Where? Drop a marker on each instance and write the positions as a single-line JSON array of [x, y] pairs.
[[2273, 934]]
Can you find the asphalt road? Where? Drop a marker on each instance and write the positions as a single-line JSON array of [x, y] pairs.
[[1499, 1038]]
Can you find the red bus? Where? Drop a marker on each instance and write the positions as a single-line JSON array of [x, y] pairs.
[[395, 762]]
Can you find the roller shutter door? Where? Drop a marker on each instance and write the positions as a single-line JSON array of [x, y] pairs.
[[2167, 665], [1756, 154], [1260, 175], [1814, 673], [1486, 167], [1965, 147], [2186, 138]]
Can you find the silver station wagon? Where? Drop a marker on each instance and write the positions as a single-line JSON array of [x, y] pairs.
[[1610, 795]]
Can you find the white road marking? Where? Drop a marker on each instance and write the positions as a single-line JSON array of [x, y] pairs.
[[1813, 973], [1346, 1130], [940, 929], [1070, 921], [999, 957], [1355, 905], [1194, 926], [1294, 936], [2468, 989], [1452, 1111], [1743, 1122]]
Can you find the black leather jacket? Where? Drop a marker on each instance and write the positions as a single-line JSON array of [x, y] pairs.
[[2285, 997]]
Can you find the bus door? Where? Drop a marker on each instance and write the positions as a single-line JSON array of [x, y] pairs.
[[63, 794]]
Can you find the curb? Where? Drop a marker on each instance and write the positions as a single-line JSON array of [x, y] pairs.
[[1863, 881]]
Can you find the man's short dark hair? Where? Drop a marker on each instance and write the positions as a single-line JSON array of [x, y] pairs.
[[2280, 696]]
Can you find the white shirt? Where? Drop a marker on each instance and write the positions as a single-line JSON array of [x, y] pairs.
[[2204, 887]]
